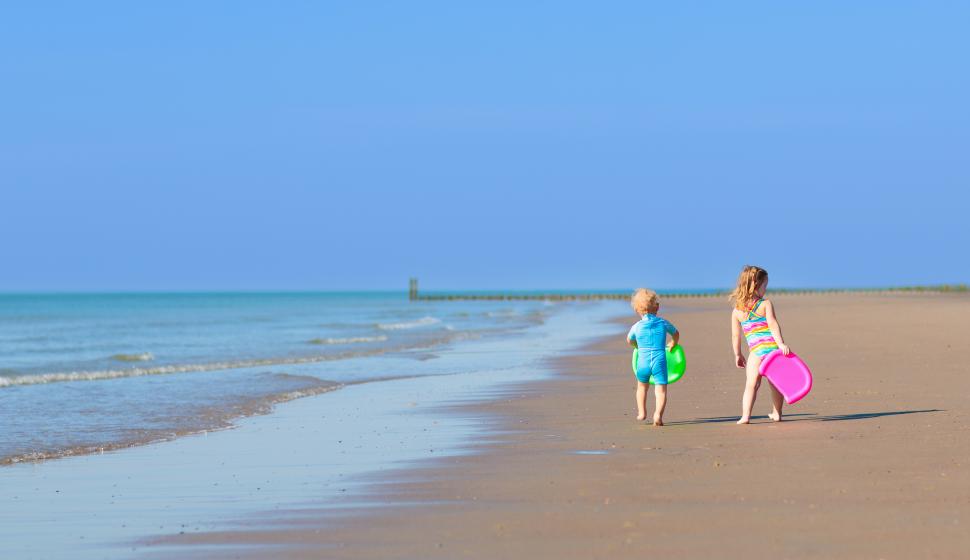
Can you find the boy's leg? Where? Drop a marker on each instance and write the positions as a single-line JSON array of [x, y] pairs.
[[641, 396], [660, 393], [751, 383]]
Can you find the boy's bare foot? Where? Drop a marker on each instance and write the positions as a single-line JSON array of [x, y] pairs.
[[657, 421], [641, 417], [775, 417], [744, 421]]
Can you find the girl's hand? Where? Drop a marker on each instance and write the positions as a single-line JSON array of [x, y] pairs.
[[784, 349], [740, 361]]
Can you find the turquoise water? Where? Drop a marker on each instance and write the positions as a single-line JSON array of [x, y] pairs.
[[83, 373], [327, 455]]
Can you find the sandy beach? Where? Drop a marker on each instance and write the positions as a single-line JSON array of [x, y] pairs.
[[352, 280], [872, 464]]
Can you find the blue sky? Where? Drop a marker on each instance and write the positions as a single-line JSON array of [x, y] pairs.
[[349, 145]]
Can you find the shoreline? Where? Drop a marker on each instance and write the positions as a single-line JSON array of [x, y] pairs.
[[864, 467], [202, 375], [316, 448]]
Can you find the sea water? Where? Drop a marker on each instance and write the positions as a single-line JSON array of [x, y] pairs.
[[387, 410], [86, 373]]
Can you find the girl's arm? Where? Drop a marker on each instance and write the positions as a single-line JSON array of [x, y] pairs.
[[736, 341], [775, 327]]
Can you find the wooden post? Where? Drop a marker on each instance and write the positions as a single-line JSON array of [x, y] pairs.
[[413, 289]]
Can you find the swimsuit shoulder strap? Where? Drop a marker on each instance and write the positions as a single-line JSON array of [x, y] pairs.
[[755, 306]]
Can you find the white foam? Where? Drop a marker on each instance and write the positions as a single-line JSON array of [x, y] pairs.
[[96, 375], [142, 357], [349, 340], [502, 313], [422, 322]]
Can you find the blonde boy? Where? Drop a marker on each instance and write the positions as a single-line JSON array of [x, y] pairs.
[[649, 336]]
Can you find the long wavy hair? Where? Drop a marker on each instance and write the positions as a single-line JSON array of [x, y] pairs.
[[748, 281]]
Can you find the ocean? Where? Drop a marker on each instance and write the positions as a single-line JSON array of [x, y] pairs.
[[88, 373], [108, 403]]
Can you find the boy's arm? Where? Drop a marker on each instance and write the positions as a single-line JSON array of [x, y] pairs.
[[736, 341], [775, 327], [674, 334], [631, 337]]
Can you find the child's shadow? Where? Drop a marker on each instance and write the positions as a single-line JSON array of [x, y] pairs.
[[806, 417]]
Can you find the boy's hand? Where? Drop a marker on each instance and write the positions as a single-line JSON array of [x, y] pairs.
[[740, 361], [784, 349]]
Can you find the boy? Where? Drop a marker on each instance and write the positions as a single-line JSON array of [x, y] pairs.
[[649, 336]]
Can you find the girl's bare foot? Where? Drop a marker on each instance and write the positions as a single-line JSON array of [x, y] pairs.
[[641, 417], [744, 421], [775, 417], [657, 421]]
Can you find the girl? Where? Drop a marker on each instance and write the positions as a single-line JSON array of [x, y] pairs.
[[755, 317]]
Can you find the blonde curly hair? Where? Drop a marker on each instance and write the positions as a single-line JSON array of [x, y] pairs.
[[645, 301]]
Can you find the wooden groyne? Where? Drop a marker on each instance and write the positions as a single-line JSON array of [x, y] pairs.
[[414, 295], [514, 296]]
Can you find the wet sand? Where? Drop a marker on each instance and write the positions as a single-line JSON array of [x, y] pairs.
[[872, 464]]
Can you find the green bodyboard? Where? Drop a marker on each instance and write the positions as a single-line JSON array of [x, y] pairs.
[[676, 363]]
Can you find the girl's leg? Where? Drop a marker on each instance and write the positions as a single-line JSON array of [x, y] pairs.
[[660, 393], [751, 382], [777, 401], [641, 396]]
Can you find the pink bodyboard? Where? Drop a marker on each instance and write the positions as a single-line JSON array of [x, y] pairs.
[[788, 374]]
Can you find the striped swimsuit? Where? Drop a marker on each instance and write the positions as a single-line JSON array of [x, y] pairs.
[[757, 333]]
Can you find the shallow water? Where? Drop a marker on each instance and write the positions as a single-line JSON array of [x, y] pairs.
[[307, 454], [84, 373]]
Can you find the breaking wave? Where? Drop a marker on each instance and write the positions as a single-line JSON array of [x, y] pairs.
[[422, 322], [348, 340], [96, 375], [143, 357]]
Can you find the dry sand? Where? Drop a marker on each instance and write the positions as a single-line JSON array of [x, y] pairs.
[[872, 464]]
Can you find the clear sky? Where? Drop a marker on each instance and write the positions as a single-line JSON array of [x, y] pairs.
[[348, 145]]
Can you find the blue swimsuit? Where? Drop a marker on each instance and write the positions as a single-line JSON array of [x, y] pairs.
[[651, 336]]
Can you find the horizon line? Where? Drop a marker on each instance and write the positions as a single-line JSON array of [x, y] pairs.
[[959, 286]]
